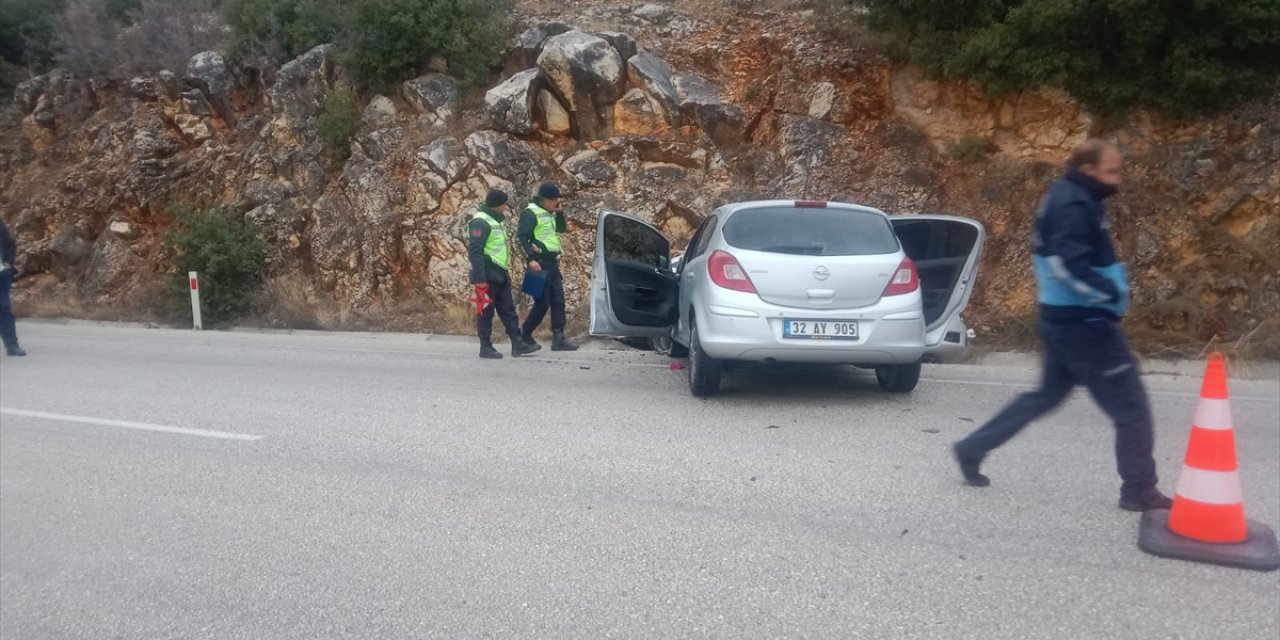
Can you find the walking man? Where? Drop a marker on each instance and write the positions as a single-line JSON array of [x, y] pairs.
[[1083, 293], [539, 234], [8, 326], [487, 248]]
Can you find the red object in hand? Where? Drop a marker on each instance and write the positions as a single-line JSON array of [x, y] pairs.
[[481, 298]]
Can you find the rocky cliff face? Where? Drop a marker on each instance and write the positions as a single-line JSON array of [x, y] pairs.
[[641, 110]]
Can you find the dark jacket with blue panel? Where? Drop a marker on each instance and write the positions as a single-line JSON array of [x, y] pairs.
[[1077, 271]]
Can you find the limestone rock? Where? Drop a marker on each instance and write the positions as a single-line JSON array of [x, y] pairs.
[[532, 39], [208, 72], [379, 145], [821, 99], [506, 158], [700, 102], [638, 113], [447, 157], [27, 93], [586, 72], [652, 74], [805, 145], [434, 95], [623, 43], [380, 112], [193, 128], [589, 169], [510, 104], [656, 14], [301, 85], [554, 116]]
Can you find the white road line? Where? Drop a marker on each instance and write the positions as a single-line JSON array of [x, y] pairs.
[[125, 424]]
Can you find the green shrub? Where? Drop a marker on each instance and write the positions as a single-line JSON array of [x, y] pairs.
[[28, 29], [227, 252], [971, 150], [338, 123], [292, 26], [379, 41], [1184, 57], [391, 38]]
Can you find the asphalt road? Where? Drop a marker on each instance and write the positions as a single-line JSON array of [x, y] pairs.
[[399, 487]]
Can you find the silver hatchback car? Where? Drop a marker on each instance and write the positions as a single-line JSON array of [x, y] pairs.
[[791, 281]]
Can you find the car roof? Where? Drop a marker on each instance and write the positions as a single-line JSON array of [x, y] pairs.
[[735, 207]]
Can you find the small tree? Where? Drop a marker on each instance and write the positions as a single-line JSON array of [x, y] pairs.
[[228, 253], [86, 39], [1185, 57], [389, 38], [289, 27], [337, 123], [166, 33]]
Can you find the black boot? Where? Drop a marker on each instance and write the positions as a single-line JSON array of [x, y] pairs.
[[969, 467], [1156, 500], [15, 351], [521, 348], [527, 336], [488, 352], [561, 343]]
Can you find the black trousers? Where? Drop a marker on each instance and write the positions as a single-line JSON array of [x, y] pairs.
[[553, 299], [504, 306], [1095, 354], [8, 326]]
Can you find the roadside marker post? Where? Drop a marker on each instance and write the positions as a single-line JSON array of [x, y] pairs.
[[195, 300]]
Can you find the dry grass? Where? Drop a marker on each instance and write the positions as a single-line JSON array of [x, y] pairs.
[[289, 302]]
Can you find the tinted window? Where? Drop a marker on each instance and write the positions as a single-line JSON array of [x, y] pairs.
[[700, 239], [811, 232], [626, 239], [930, 240], [708, 230]]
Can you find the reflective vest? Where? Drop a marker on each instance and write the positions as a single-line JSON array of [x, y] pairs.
[[495, 248], [545, 229]]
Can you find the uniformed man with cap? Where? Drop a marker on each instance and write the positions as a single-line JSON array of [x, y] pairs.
[[539, 234], [487, 248]]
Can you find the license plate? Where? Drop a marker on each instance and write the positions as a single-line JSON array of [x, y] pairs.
[[820, 329]]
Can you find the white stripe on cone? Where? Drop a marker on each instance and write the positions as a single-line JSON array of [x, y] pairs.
[[1210, 487], [1214, 414]]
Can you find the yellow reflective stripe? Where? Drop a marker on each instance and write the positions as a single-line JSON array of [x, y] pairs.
[[544, 231], [496, 246]]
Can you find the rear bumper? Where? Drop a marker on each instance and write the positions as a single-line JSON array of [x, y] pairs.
[[742, 327]]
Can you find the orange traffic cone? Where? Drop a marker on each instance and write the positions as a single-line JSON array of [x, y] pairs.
[[1207, 522]]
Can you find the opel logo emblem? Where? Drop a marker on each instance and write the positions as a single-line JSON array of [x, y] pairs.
[[821, 273]]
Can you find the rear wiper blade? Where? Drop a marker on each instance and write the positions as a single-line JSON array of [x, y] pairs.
[[798, 249]]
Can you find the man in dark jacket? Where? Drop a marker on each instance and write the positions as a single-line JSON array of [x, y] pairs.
[[8, 326], [1083, 293], [539, 234], [487, 248]]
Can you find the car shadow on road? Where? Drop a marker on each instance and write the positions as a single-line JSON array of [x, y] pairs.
[[801, 381]]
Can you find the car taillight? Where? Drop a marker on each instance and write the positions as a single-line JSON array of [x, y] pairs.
[[726, 272], [905, 279], [811, 204]]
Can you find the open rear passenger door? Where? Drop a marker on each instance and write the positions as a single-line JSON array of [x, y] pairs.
[[633, 290], [946, 250]]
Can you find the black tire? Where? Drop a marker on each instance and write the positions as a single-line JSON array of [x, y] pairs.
[[667, 345], [704, 371], [899, 378]]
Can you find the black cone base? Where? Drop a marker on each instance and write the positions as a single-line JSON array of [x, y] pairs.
[[1258, 553]]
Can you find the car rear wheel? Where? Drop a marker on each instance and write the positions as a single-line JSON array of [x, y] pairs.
[[704, 371], [898, 378]]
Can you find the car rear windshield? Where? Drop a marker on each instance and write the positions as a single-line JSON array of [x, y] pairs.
[[811, 231]]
